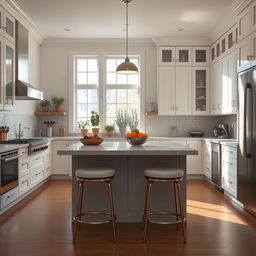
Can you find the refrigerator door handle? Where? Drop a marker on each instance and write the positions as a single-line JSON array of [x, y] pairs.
[[248, 122]]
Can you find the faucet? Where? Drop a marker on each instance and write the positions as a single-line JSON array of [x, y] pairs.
[[21, 131]]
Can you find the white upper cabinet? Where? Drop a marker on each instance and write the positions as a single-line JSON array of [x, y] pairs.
[[166, 56], [253, 15], [183, 90], [166, 90], [244, 54], [244, 22], [8, 75], [1, 74], [9, 27], [200, 56], [183, 56], [200, 90]]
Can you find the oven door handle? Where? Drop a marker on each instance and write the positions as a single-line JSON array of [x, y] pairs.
[[11, 158]]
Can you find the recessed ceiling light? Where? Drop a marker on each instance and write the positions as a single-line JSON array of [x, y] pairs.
[[181, 29], [67, 29]]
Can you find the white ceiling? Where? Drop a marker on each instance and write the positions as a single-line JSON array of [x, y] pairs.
[[106, 18]]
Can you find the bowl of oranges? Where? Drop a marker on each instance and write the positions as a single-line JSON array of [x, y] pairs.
[[136, 138]]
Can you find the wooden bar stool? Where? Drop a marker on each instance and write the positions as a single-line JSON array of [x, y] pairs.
[[84, 175], [174, 176]]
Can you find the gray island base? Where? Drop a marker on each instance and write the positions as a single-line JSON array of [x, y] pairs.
[[129, 185]]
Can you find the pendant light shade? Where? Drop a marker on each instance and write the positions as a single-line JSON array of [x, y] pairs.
[[127, 67]]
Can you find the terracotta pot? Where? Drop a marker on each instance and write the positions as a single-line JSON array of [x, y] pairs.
[[59, 108], [84, 132], [95, 131], [45, 109], [109, 133]]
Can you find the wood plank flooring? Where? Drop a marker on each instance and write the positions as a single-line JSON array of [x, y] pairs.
[[40, 226]]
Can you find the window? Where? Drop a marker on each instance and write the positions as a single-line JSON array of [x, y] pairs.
[[86, 87], [122, 91], [97, 87]]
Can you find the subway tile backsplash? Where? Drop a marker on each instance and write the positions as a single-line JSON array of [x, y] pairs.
[[12, 120]]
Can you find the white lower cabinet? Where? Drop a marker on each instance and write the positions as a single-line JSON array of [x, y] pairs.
[[36, 176], [194, 163], [24, 184], [207, 159], [9, 197], [229, 170]]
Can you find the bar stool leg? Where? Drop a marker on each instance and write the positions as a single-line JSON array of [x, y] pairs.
[[181, 211], [81, 204], [176, 203], [80, 189], [147, 209], [112, 209]]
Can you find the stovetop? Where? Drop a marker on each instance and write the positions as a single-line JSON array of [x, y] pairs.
[[31, 142]]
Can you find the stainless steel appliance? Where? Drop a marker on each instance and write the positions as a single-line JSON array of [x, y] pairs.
[[247, 139], [24, 90], [8, 171], [216, 164], [35, 145]]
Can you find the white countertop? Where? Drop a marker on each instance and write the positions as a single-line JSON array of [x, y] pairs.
[[124, 148]]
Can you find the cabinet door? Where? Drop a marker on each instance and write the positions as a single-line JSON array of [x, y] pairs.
[[213, 53], [1, 21], [200, 56], [60, 163], [166, 91], [200, 93], [9, 75], [1, 74], [183, 56], [194, 163], [232, 37], [253, 49], [244, 54], [244, 23], [225, 100], [166, 55], [232, 71], [183, 90], [9, 27]]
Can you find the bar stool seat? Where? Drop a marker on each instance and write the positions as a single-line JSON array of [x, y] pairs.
[[170, 175], [164, 173], [95, 173]]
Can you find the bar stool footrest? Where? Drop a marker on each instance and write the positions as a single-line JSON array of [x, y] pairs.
[[164, 222], [77, 218]]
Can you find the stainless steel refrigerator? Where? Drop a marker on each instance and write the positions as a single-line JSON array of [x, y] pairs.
[[247, 139]]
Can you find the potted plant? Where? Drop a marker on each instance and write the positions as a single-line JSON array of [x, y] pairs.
[[95, 122], [134, 120], [82, 125], [58, 103], [45, 105], [122, 121], [109, 130]]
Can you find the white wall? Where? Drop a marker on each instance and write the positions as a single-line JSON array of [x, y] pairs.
[[55, 67]]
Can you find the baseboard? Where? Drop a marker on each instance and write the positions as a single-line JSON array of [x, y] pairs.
[[60, 177], [196, 177]]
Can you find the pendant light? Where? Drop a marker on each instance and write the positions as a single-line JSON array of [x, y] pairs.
[[127, 67]]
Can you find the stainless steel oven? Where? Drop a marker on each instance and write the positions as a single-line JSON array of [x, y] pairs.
[[9, 170]]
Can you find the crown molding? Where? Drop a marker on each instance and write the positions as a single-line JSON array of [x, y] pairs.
[[181, 41], [13, 8], [87, 42]]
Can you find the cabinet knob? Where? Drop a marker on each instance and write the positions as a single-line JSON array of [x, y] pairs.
[[219, 106], [4, 28], [250, 57], [233, 103]]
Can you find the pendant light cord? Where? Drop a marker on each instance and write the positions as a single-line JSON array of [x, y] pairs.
[[127, 30]]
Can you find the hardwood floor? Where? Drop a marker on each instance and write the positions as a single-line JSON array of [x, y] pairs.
[[40, 226]]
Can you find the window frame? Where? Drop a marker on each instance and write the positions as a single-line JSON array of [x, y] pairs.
[[101, 54]]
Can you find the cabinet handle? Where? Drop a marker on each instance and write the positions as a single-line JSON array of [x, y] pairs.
[[37, 158], [250, 57], [11, 195], [176, 108], [4, 28], [233, 43], [229, 163], [24, 181], [233, 103], [219, 106], [213, 107], [208, 168]]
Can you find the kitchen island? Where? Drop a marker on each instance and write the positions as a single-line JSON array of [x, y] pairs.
[[129, 185]]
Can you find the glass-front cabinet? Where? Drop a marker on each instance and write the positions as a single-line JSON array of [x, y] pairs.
[[200, 56], [8, 26], [8, 75], [200, 91], [166, 55], [183, 56]]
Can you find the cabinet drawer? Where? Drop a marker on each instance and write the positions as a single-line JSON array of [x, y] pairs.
[[23, 152], [229, 165], [23, 166], [24, 184], [229, 183], [36, 161], [9, 197], [47, 171], [229, 151], [36, 177]]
